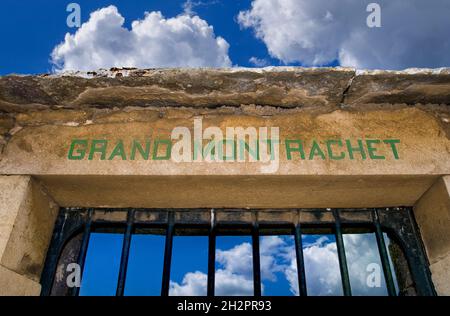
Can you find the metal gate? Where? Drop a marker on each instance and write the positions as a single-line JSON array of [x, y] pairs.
[[398, 222]]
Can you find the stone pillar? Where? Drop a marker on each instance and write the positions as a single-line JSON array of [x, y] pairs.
[[27, 216], [432, 213]]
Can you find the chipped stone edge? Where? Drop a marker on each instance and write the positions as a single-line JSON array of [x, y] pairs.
[[126, 72], [407, 71]]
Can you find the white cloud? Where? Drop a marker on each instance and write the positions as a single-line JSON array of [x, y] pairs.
[[235, 277], [237, 259], [322, 268], [271, 249], [190, 5], [361, 250], [258, 62], [233, 284], [235, 273], [193, 284], [414, 33], [278, 258], [291, 275], [103, 42]]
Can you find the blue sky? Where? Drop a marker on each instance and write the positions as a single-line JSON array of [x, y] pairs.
[[234, 265], [43, 24], [217, 33]]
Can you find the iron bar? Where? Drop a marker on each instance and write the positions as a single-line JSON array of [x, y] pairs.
[[125, 253], [341, 254], [256, 258], [51, 262], [83, 250], [300, 261], [212, 256], [398, 221], [417, 258], [384, 255], [167, 255]]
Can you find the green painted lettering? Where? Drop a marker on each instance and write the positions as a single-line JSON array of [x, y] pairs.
[[98, 146], [271, 143], [210, 150], [80, 151], [290, 149], [254, 153], [330, 150], [118, 151], [226, 143], [393, 143], [359, 149], [371, 150], [145, 153], [316, 151], [168, 144]]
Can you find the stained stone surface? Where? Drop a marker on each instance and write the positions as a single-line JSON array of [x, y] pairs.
[[40, 115], [280, 87]]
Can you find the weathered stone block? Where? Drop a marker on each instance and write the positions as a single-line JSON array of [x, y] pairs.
[[283, 87], [13, 190], [410, 87], [28, 218], [441, 276], [14, 284], [6, 123], [432, 213]]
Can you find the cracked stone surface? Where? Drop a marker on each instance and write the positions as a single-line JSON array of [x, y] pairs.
[[400, 87], [85, 97], [115, 96], [40, 115], [279, 87], [285, 87]]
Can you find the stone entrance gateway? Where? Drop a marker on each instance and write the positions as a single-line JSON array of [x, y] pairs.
[[275, 143]]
